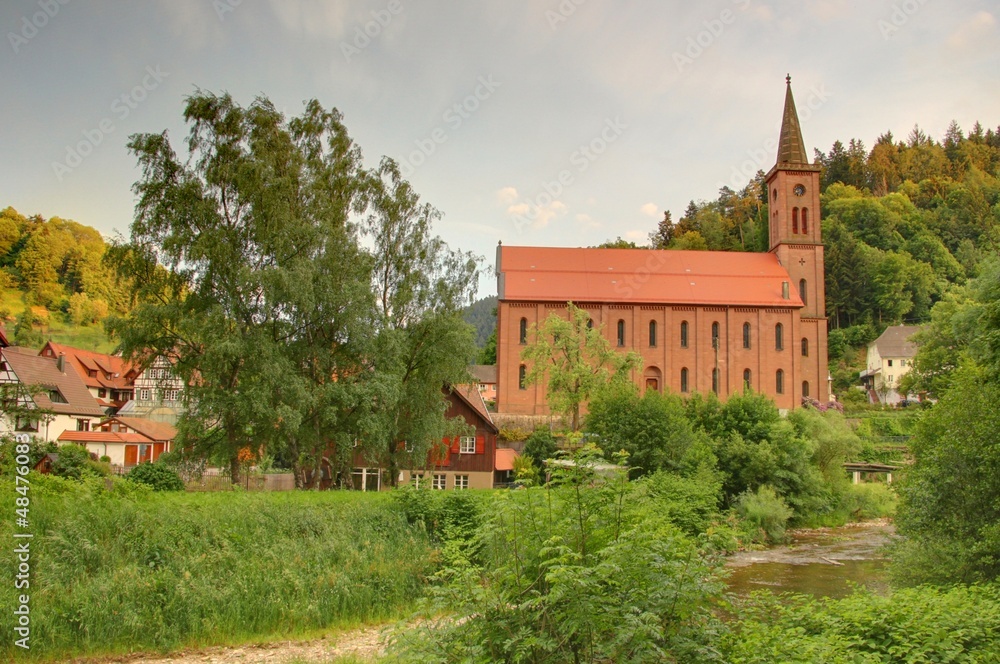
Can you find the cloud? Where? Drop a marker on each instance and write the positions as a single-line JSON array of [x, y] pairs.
[[316, 19], [973, 31], [636, 236], [587, 221], [507, 195], [650, 210]]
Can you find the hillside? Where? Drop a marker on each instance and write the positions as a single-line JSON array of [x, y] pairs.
[[482, 315], [54, 283]]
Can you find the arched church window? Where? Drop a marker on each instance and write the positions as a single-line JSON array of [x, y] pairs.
[[779, 337], [779, 382], [684, 334], [652, 334], [746, 335], [795, 220], [802, 290], [684, 379], [621, 332], [523, 332], [805, 220]]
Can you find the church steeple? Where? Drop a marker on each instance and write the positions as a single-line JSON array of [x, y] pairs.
[[791, 148]]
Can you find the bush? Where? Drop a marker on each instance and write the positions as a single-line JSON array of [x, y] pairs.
[[541, 445], [75, 462], [156, 476], [871, 500], [764, 515]]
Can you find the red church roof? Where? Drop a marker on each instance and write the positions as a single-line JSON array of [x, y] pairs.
[[731, 278]]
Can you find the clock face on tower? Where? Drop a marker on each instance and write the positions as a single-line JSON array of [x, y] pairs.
[[799, 190]]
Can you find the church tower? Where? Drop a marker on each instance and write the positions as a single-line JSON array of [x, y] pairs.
[[793, 198]]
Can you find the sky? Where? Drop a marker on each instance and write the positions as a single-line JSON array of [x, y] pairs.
[[531, 122]]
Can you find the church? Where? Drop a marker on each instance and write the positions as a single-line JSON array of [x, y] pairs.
[[702, 321]]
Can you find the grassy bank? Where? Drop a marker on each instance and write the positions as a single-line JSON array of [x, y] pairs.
[[124, 571]]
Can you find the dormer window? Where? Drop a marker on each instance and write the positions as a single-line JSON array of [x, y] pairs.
[[55, 396]]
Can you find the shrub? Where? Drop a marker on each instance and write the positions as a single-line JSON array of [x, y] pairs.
[[871, 500], [540, 446], [764, 514], [157, 476], [74, 462]]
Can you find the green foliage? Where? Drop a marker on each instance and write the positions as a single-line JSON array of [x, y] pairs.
[[134, 570], [482, 315], [25, 333], [690, 503], [652, 429], [37, 448], [75, 462], [949, 513], [513, 434], [913, 625], [541, 445], [764, 514], [576, 359], [157, 476], [585, 570], [870, 500], [248, 271]]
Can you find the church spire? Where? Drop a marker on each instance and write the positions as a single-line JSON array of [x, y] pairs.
[[791, 148]]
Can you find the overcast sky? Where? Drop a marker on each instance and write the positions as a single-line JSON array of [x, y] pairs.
[[534, 122]]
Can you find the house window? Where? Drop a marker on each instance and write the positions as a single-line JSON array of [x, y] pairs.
[[684, 379], [523, 332], [24, 423], [101, 392], [439, 482], [144, 394], [170, 395], [890, 363], [805, 347], [795, 220], [684, 334], [779, 382], [805, 220], [802, 290], [461, 481], [467, 445], [522, 372], [746, 335], [652, 334], [415, 478], [747, 376], [779, 337], [621, 333], [902, 363], [715, 380], [55, 396], [774, 194], [805, 388], [83, 425], [590, 323]]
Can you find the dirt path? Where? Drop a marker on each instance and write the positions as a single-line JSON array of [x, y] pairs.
[[363, 643]]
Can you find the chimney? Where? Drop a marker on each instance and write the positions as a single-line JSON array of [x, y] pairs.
[[784, 290], [61, 363]]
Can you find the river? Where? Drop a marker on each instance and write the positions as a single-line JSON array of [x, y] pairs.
[[825, 562]]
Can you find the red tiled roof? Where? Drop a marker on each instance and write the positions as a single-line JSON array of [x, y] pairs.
[[161, 431], [505, 458], [111, 370], [485, 374], [103, 437], [556, 274]]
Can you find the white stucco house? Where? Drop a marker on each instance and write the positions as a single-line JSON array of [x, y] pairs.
[[890, 357]]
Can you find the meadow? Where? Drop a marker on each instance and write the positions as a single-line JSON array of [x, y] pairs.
[[131, 570]]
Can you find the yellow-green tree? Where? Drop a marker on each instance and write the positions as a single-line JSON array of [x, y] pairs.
[[576, 358]]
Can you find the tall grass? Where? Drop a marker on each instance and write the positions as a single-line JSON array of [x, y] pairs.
[[149, 571]]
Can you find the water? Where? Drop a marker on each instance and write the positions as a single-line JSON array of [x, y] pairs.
[[823, 563]]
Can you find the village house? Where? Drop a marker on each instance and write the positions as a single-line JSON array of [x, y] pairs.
[[55, 389], [890, 357], [126, 441], [485, 376], [108, 377], [471, 461], [158, 393], [701, 320]]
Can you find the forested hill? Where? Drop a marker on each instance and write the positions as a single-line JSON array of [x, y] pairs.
[[902, 223], [482, 315], [53, 282]]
